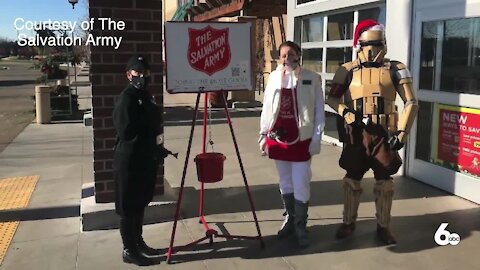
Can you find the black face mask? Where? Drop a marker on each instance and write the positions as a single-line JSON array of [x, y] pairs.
[[140, 82]]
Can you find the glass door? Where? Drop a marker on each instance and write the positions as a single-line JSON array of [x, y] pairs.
[[444, 148]]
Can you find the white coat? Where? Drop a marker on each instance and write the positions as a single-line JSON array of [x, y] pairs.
[[310, 102]]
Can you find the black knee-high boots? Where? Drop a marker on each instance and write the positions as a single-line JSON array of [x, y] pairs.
[[131, 251]]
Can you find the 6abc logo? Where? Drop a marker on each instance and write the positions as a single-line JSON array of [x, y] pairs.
[[443, 237]]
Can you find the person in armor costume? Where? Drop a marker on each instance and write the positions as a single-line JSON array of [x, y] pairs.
[[291, 127], [363, 92]]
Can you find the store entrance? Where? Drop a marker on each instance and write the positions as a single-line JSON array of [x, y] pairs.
[[444, 148]]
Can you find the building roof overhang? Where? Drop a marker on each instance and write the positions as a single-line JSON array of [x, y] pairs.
[[205, 10]]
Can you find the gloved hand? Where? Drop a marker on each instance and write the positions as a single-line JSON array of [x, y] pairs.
[[262, 142], [315, 147], [349, 116], [163, 152], [395, 142]]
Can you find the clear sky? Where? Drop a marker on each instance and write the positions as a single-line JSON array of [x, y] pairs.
[[38, 10]]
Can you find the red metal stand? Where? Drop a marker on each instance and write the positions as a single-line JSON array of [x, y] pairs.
[[209, 232]]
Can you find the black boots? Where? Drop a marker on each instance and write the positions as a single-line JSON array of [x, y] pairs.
[[142, 246], [131, 252], [301, 217], [288, 226], [296, 215], [385, 235], [135, 250], [135, 257], [345, 230]]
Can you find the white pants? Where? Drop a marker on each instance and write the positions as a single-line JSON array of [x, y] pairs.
[[295, 178]]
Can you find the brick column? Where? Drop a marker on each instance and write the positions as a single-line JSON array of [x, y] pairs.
[[142, 34]]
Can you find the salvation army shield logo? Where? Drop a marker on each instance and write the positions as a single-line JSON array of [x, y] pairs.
[[208, 49]]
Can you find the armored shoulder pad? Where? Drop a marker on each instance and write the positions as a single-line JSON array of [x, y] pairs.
[[351, 65], [401, 73], [342, 73]]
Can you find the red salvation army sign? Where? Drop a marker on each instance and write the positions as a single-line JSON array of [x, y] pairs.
[[208, 56], [208, 49]]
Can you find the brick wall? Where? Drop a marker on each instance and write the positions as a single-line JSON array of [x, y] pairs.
[[142, 34]]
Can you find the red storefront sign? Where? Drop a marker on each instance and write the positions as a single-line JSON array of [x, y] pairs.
[[459, 137], [208, 49]]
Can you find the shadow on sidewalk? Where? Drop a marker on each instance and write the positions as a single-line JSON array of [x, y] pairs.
[[267, 197], [414, 233], [40, 213], [16, 82]]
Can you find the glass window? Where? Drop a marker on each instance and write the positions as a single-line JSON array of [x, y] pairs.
[[377, 13], [303, 1], [340, 26], [450, 56], [297, 30], [336, 57], [328, 86], [461, 56], [428, 55], [312, 59], [312, 29], [424, 131], [448, 136]]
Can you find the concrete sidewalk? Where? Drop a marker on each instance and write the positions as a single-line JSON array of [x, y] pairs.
[[49, 235], [61, 154]]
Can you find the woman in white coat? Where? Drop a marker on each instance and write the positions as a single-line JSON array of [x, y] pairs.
[[291, 126]]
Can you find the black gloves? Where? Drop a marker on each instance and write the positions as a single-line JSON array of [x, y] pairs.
[[163, 152], [395, 143]]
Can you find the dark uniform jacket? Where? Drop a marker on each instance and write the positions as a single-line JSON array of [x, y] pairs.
[[137, 120]]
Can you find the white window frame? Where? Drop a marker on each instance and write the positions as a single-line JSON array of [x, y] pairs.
[[309, 3]]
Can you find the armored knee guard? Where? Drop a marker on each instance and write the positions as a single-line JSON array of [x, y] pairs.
[[383, 191], [351, 193], [383, 202]]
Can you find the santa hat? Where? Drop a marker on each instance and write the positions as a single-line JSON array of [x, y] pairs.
[[363, 26]]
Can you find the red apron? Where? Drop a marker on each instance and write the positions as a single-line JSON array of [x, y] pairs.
[[290, 148]]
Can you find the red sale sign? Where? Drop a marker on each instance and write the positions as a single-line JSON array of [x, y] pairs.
[[459, 137], [208, 49]]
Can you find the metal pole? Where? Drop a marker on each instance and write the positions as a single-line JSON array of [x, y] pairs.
[[204, 148], [247, 188], [69, 82], [75, 70], [180, 194]]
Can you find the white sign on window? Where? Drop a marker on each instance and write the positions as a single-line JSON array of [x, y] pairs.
[[212, 56]]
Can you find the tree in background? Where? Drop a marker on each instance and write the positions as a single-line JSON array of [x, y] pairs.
[[7, 47]]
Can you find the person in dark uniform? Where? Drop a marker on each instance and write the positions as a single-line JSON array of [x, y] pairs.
[[137, 152]]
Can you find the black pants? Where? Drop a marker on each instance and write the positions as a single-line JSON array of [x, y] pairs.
[[367, 148], [131, 229]]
